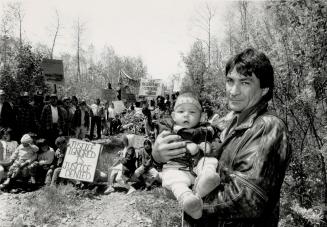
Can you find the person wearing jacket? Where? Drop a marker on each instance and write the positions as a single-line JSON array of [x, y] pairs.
[[52, 120], [81, 121], [7, 116], [253, 153]]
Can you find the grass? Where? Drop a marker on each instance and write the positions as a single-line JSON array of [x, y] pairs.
[[161, 207], [51, 204]]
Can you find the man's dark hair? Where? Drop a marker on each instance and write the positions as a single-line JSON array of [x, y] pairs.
[[251, 61]]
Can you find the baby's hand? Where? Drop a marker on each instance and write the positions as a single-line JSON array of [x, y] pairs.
[[205, 147], [176, 128], [192, 148]]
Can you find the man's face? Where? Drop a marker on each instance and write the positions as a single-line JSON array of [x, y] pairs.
[[67, 103], [53, 101], [243, 92], [97, 101], [186, 115]]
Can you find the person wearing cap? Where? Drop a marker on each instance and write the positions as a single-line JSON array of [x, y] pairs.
[[179, 174], [21, 160], [6, 112], [25, 116], [81, 120], [52, 120]]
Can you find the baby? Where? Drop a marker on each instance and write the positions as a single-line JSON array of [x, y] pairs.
[[22, 158], [178, 174]]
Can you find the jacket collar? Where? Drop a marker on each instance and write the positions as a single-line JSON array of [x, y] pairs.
[[245, 119]]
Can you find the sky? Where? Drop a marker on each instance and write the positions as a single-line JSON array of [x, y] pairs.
[[158, 31]]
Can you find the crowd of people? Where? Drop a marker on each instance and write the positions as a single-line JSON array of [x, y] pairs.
[[34, 133], [225, 172]]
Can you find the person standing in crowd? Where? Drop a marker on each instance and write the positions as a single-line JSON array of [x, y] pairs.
[[148, 119], [111, 115], [52, 120], [167, 104], [173, 100], [69, 119], [81, 120], [96, 115], [6, 112], [253, 155], [25, 116], [61, 106], [37, 108]]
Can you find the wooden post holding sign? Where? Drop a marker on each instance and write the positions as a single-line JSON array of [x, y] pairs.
[[80, 160], [53, 71]]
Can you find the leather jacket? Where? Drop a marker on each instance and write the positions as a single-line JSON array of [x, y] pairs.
[[253, 158]]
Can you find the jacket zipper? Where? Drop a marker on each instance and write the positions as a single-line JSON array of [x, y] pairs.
[[252, 186]]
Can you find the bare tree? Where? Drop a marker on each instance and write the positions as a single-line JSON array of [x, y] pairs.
[[6, 30], [79, 29], [243, 7], [57, 28], [204, 21], [18, 13]]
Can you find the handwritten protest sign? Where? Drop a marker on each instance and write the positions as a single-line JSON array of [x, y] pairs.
[[109, 94], [150, 87], [80, 161], [119, 106]]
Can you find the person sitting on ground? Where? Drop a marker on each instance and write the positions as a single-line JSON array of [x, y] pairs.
[[53, 173], [146, 170], [45, 157], [122, 177], [179, 174], [117, 168], [21, 160], [7, 148]]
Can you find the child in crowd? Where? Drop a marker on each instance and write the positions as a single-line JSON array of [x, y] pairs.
[[45, 157], [7, 148], [21, 160], [54, 171], [178, 174]]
